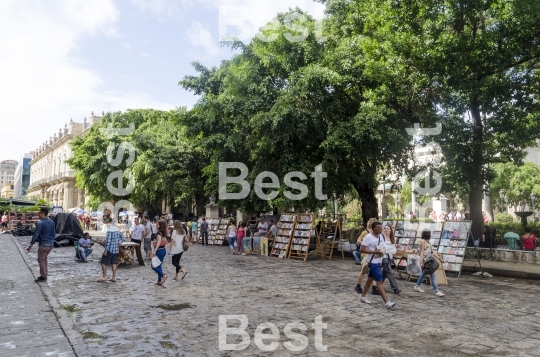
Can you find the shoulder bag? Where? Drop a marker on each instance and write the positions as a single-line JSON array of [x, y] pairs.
[[185, 244], [430, 263]]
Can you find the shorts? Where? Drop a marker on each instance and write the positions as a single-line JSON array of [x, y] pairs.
[[375, 272], [110, 258], [147, 244], [364, 267]]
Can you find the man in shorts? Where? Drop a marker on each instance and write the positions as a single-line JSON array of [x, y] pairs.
[[374, 259], [5, 220], [112, 249], [148, 230]]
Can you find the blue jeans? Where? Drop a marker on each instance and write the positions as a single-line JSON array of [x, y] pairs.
[[231, 242], [432, 277], [84, 252], [357, 256], [160, 253]]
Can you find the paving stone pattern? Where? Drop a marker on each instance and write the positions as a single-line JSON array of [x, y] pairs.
[[133, 317], [27, 323]]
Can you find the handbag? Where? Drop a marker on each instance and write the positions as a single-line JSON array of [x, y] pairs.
[[430, 264], [185, 245]]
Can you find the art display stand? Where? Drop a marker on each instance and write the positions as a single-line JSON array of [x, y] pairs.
[[299, 247], [213, 224], [326, 239], [282, 242], [453, 244], [221, 232]]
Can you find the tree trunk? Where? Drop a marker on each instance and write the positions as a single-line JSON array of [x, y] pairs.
[[369, 202], [476, 182]]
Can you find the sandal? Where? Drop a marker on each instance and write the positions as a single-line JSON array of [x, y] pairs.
[[102, 280], [112, 280], [183, 276], [164, 278]]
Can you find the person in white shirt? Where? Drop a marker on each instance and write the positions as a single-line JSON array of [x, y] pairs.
[[262, 227], [147, 235], [177, 248], [374, 258], [137, 232]]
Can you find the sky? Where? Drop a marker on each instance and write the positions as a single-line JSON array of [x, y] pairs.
[[63, 59]]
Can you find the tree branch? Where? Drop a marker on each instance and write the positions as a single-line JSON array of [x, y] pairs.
[[508, 67]]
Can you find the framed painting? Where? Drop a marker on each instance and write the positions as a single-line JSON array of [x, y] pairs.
[[256, 245], [264, 246]]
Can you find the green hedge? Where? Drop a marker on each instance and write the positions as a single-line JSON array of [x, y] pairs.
[[502, 228]]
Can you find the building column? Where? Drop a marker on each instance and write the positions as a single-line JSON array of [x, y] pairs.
[[68, 194]]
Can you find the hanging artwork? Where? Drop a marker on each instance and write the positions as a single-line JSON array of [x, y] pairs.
[[264, 246]]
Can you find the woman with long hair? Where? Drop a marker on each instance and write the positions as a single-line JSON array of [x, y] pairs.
[[389, 239], [426, 251], [177, 248], [160, 251], [241, 233], [231, 235]]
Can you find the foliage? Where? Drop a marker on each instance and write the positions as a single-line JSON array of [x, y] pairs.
[[504, 217], [518, 183], [166, 165]]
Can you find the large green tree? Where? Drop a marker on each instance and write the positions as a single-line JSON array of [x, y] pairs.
[[166, 166], [476, 61]]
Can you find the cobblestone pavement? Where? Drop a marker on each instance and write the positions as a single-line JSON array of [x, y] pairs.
[[28, 324], [133, 317]]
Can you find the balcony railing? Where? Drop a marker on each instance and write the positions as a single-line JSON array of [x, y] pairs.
[[52, 178]]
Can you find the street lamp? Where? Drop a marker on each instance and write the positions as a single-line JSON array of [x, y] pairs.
[[533, 199]]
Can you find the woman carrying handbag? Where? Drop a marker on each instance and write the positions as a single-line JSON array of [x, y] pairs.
[[428, 264], [388, 259], [178, 244]]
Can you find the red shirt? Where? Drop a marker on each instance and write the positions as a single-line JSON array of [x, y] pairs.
[[529, 243]]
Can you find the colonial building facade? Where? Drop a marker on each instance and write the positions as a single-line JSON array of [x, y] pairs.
[[51, 177]]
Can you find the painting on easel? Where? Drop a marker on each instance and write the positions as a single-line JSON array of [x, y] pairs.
[[256, 245], [264, 246]]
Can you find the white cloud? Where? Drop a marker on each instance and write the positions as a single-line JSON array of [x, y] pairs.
[[43, 84], [126, 45], [200, 37], [144, 54]]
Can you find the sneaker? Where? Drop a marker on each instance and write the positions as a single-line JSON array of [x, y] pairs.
[[390, 304], [397, 291], [419, 289], [365, 301], [439, 293], [374, 290], [358, 289], [41, 279]]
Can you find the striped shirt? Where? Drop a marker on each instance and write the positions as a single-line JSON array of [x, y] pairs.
[[114, 238]]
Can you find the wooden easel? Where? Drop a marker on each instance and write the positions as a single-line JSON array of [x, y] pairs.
[[282, 242], [325, 245], [301, 236]]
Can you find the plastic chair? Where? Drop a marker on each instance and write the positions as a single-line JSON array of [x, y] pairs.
[[78, 253]]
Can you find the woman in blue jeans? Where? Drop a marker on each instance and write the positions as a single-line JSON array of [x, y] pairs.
[[231, 235], [426, 251], [160, 251]]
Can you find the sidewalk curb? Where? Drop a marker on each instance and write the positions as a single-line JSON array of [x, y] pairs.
[[66, 324], [505, 273]]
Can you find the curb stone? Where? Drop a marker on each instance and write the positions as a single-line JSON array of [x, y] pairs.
[[77, 343]]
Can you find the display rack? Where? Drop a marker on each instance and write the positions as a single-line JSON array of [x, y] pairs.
[[326, 239], [302, 236], [453, 243], [212, 230], [221, 232], [282, 241]]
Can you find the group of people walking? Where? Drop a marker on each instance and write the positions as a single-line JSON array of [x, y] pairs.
[[378, 265]]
